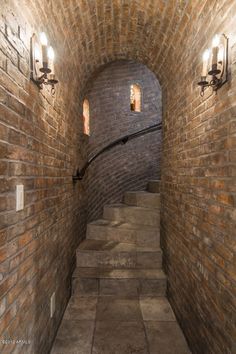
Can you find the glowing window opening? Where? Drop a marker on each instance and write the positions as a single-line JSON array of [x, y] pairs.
[[135, 98], [86, 117]]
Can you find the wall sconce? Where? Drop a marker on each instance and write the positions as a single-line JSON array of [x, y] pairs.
[[218, 58], [42, 62]]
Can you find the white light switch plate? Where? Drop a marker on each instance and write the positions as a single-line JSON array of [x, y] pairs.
[[19, 197]]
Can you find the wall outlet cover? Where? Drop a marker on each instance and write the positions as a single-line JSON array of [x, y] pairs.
[[52, 304], [19, 197]]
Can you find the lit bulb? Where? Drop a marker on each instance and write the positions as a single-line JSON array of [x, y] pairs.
[[205, 59], [44, 42], [216, 41], [206, 55], [221, 55], [43, 38], [37, 52], [51, 54]]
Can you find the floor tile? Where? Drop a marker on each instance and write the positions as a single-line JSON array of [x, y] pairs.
[[74, 337], [81, 308], [114, 337], [165, 338], [118, 309], [156, 309]]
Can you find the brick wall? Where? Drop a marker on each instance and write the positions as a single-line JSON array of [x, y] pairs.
[[199, 186], [39, 140], [198, 164], [130, 166]]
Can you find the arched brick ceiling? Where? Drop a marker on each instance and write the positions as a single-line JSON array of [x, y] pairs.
[[91, 33], [100, 31]]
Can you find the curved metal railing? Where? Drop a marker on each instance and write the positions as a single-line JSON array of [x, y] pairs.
[[80, 173]]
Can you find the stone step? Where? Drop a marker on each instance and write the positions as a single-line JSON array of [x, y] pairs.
[[154, 186], [124, 282], [111, 254], [143, 199], [132, 214], [142, 235]]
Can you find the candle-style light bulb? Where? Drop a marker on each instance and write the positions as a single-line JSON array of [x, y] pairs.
[[221, 55], [51, 57], [36, 52], [205, 59], [44, 42], [51, 54], [215, 49], [43, 39], [206, 55], [216, 41]]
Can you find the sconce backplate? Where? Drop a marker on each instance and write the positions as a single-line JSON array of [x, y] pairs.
[[223, 63]]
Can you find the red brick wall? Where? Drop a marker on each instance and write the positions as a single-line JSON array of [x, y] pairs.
[[198, 165], [130, 166], [39, 140], [199, 186]]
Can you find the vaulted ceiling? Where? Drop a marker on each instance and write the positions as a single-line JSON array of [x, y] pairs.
[[95, 32], [91, 33]]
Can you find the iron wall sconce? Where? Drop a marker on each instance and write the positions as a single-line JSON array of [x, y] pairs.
[[217, 76], [42, 62]]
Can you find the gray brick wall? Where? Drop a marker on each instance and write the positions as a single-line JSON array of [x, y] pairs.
[[129, 166]]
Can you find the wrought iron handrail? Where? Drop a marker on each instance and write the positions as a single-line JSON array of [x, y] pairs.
[[80, 173]]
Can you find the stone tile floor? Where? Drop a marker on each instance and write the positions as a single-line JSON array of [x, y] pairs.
[[119, 325]]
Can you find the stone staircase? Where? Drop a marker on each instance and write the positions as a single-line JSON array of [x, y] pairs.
[[121, 254], [118, 302]]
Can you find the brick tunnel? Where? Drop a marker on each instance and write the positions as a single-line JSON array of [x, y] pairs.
[[122, 66]]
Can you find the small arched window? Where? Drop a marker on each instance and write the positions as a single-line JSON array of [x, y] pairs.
[[135, 98], [86, 117]]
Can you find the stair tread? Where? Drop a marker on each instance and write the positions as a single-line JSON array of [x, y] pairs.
[[113, 246], [119, 273], [123, 225], [144, 199], [143, 193], [125, 206]]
